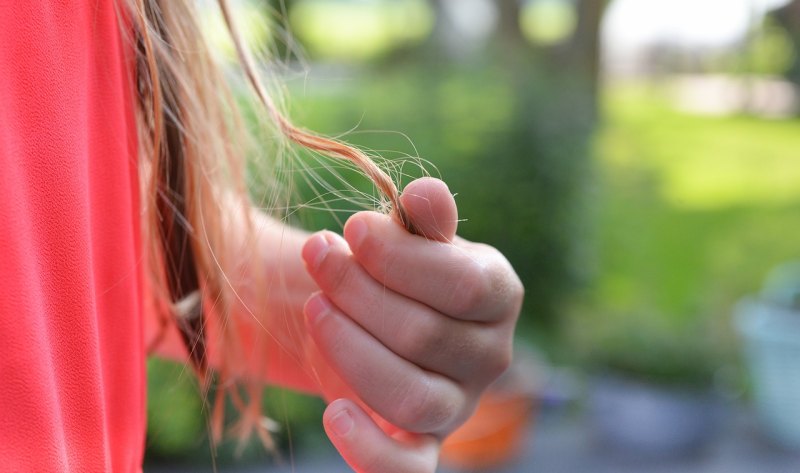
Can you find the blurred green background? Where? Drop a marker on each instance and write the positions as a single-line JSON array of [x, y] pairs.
[[640, 185]]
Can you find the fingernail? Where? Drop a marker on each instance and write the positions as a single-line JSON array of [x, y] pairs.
[[356, 231], [315, 250], [317, 307], [342, 423]]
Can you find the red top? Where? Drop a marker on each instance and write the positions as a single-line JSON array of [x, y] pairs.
[[72, 379]]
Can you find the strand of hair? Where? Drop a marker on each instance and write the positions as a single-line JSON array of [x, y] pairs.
[[327, 146]]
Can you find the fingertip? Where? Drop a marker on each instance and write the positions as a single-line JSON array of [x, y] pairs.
[[318, 246], [431, 207], [314, 250], [338, 418], [355, 230], [426, 182]]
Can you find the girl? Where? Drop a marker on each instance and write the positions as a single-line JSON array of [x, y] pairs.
[[99, 98]]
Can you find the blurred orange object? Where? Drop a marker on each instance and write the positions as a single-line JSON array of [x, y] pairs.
[[494, 434]]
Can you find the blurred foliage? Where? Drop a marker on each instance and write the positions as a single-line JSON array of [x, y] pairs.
[[177, 429], [510, 134], [548, 21], [634, 236], [786, 17], [512, 144], [692, 212], [770, 50], [175, 419], [661, 220], [766, 51], [512, 139], [353, 30], [254, 27]]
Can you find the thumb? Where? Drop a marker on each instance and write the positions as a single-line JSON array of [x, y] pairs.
[[431, 208], [368, 449]]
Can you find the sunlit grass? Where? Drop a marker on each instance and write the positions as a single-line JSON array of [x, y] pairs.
[[347, 29], [254, 22], [548, 21], [700, 161], [692, 211]]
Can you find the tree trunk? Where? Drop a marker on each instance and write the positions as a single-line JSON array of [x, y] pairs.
[[788, 16], [585, 46], [508, 30]]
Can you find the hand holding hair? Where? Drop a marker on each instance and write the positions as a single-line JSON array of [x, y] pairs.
[[413, 328]]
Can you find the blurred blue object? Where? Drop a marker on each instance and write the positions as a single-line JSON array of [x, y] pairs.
[[642, 421], [771, 333], [782, 286]]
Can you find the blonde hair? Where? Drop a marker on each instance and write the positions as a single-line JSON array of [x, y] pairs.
[[192, 159]]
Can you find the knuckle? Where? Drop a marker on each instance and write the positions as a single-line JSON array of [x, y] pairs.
[[425, 408], [470, 291], [502, 288], [408, 412], [487, 359], [508, 284], [504, 281], [422, 337], [465, 343], [500, 361]]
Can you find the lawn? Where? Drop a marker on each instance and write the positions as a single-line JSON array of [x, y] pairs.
[[691, 213]]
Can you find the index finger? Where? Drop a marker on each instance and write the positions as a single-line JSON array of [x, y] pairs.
[[460, 279]]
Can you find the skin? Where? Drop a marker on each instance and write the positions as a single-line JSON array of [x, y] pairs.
[[416, 328], [401, 333]]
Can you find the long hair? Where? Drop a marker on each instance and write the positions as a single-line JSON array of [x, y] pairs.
[[192, 147]]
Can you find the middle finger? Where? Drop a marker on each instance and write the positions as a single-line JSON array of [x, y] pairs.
[[409, 328]]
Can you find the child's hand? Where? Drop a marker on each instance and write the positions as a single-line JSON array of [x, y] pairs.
[[415, 328]]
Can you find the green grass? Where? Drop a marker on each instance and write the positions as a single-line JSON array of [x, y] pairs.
[[692, 212], [702, 162]]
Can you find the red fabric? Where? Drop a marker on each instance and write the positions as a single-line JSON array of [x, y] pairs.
[[72, 379]]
